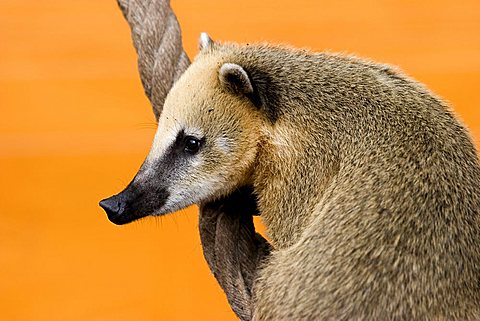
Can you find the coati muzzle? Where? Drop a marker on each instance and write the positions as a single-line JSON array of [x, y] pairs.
[[133, 203]]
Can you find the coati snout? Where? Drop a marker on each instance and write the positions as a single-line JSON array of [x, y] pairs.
[[148, 192], [133, 203]]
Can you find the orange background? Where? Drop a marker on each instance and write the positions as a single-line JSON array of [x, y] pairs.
[[75, 126]]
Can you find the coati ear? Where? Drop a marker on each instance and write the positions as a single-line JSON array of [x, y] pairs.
[[205, 42], [255, 84], [236, 79]]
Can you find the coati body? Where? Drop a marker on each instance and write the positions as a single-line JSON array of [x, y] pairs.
[[368, 185]]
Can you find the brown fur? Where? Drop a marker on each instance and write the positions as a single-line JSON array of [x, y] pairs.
[[367, 183]]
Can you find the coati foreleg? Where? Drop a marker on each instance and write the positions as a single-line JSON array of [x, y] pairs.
[[232, 248]]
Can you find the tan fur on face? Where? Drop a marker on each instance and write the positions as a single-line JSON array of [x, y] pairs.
[[199, 106]]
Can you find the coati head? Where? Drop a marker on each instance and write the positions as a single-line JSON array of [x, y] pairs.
[[205, 145]]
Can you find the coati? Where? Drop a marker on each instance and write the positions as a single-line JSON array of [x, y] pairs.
[[367, 183]]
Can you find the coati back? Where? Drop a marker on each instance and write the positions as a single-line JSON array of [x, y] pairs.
[[368, 185], [369, 188]]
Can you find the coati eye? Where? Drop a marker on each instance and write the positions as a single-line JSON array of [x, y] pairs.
[[192, 145]]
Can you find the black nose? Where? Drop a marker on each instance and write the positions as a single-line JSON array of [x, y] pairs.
[[114, 207], [133, 203], [111, 205]]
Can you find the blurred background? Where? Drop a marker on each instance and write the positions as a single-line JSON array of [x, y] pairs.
[[75, 126]]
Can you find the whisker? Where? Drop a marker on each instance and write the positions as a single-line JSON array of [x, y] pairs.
[[147, 125]]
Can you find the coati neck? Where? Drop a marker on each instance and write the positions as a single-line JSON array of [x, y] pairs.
[[290, 177]]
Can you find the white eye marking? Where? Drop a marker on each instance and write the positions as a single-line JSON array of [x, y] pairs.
[[195, 132], [164, 138], [223, 143], [202, 190]]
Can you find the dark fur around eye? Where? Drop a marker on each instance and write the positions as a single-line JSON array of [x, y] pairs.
[[192, 145], [188, 144]]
